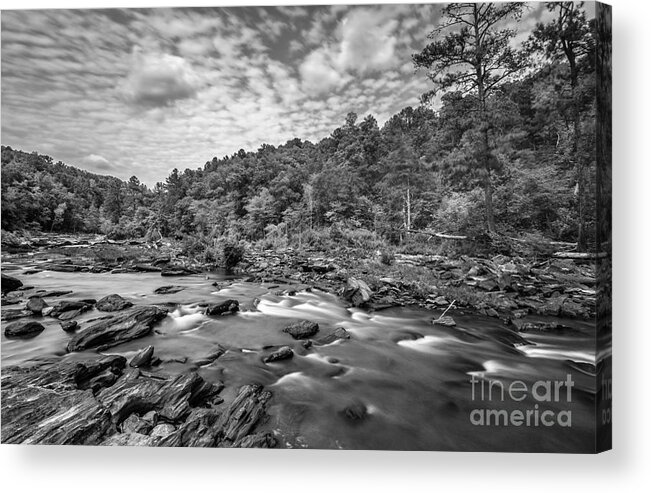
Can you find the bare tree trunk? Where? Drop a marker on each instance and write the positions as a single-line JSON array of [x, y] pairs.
[[479, 74], [408, 202]]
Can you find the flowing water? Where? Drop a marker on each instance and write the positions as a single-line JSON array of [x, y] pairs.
[[408, 382]]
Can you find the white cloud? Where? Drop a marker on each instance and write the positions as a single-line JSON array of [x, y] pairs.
[[318, 73], [158, 79], [368, 41]]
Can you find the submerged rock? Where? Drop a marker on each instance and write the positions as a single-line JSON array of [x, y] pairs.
[[133, 324], [284, 352], [10, 284], [302, 329], [113, 303], [227, 307], [23, 329], [356, 411]]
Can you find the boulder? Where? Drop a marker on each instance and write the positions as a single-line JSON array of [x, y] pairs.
[[302, 329], [130, 440], [136, 424], [227, 307], [23, 329], [445, 320], [338, 333], [69, 326], [357, 292], [36, 305], [130, 325], [212, 355], [10, 284], [143, 358], [168, 289], [242, 416], [284, 352], [76, 307], [113, 303], [162, 430]]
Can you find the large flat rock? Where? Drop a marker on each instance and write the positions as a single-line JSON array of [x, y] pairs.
[[133, 324]]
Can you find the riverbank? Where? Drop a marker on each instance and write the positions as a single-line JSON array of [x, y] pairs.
[[505, 287]]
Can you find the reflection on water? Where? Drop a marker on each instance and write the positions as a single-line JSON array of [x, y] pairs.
[[399, 382]]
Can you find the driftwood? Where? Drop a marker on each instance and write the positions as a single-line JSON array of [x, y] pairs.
[[438, 235], [580, 255]]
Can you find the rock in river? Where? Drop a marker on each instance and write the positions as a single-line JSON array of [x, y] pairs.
[[23, 329], [445, 320], [67, 310], [143, 358], [168, 289], [302, 329], [127, 326], [10, 283], [228, 307], [36, 305], [113, 303], [69, 326], [284, 352]]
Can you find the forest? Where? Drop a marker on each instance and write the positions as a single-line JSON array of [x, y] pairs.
[[503, 145]]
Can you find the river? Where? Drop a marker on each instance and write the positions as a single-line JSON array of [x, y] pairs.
[[408, 382]]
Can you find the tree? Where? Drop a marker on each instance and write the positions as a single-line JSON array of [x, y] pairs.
[[472, 54], [569, 37], [113, 202]]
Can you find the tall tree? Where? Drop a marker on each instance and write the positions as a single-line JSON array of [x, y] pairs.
[[471, 53], [568, 37]]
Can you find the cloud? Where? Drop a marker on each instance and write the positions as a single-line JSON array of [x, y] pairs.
[[318, 73], [158, 79], [97, 162], [368, 42]]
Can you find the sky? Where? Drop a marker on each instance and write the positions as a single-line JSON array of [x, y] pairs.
[[142, 91]]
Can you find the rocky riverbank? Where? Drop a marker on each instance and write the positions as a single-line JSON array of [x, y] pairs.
[[104, 402], [498, 286]]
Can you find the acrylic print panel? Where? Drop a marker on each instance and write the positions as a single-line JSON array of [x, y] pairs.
[[338, 227]]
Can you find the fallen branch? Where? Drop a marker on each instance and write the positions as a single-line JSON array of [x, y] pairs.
[[448, 308], [580, 255], [438, 235]]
